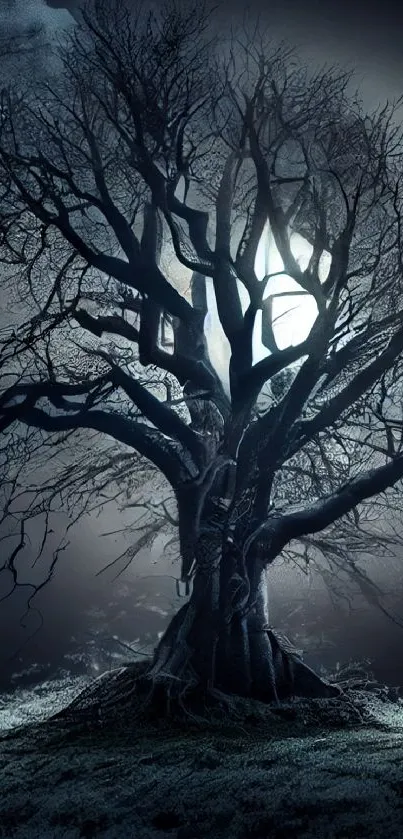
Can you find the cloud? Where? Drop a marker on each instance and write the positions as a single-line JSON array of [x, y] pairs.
[[30, 58], [20, 15]]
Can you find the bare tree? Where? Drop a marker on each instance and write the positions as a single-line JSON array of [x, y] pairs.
[[133, 190]]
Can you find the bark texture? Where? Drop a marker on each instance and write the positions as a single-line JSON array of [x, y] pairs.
[[209, 645]]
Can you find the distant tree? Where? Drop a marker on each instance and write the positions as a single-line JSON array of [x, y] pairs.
[[134, 190]]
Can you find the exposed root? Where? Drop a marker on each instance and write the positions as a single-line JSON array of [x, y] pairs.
[[129, 697], [361, 691]]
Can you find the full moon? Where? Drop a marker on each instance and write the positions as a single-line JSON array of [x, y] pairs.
[[293, 314]]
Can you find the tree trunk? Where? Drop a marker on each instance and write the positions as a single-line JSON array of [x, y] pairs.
[[212, 643]]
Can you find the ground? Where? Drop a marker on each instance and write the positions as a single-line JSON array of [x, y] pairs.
[[325, 768]]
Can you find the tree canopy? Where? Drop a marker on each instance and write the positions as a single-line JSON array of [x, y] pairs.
[[137, 187]]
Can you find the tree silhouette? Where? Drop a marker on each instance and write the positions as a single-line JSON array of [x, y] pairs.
[[134, 190]]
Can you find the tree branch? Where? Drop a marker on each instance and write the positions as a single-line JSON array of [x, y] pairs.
[[147, 442], [323, 513], [353, 391]]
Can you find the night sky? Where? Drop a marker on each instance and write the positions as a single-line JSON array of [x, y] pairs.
[[370, 37]]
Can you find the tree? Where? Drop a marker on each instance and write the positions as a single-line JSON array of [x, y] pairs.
[[134, 190]]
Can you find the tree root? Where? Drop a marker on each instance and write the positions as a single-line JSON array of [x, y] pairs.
[[129, 698], [142, 693], [167, 686]]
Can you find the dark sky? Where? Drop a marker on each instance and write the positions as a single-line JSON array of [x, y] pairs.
[[367, 35], [344, 24]]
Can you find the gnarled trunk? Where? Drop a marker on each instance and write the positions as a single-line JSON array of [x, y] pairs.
[[215, 642]]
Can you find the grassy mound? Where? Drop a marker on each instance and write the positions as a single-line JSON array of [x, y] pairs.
[[124, 697]]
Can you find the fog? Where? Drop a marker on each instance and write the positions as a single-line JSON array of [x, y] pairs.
[[78, 607]]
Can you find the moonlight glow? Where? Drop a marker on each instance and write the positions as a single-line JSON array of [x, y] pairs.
[[293, 316]]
